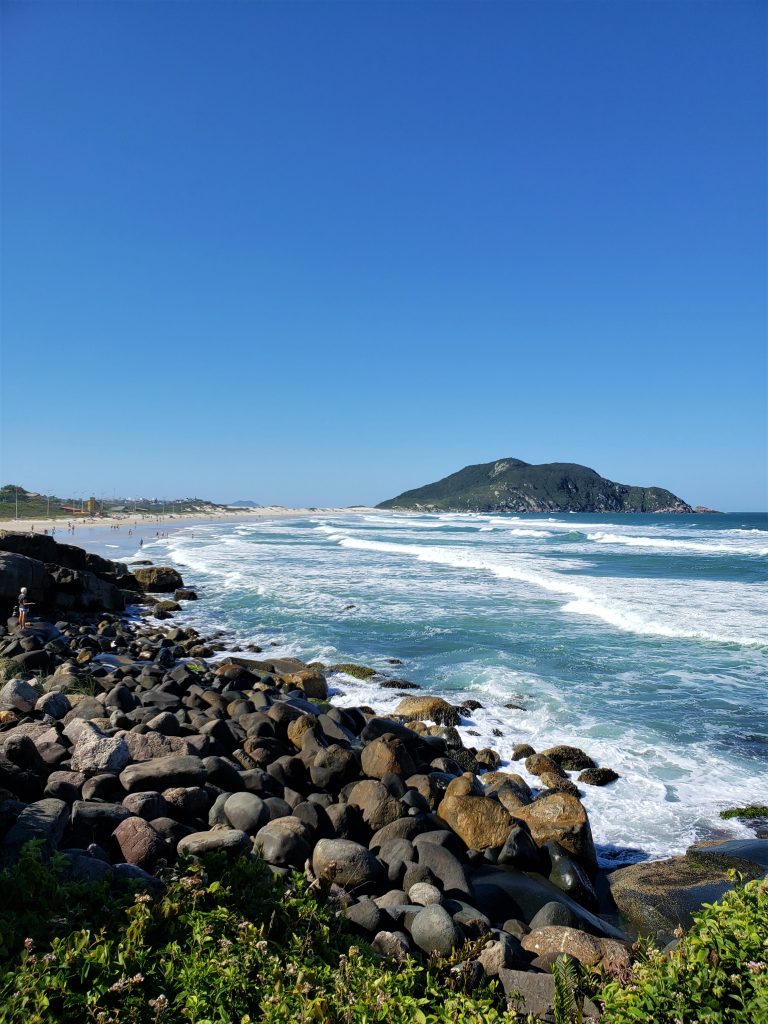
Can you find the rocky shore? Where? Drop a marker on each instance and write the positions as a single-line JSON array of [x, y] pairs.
[[126, 744]]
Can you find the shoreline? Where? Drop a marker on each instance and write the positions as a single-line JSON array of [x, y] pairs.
[[132, 521], [201, 748]]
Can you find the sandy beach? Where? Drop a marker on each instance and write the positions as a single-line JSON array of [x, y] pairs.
[[59, 527]]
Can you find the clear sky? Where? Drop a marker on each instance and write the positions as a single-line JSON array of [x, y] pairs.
[[325, 252]]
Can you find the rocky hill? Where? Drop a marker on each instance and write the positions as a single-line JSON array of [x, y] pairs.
[[511, 485]]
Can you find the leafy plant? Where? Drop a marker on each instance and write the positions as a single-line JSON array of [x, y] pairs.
[[717, 974], [567, 1001]]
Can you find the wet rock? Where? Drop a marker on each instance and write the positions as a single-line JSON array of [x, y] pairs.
[[661, 896], [568, 875], [561, 817], [598, 776], [573, 759], [520, 851], [538, 764], [554, 914], [521, 751], [424, 708], [310, 681], [158, 579]]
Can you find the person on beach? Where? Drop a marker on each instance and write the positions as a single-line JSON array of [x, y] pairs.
[[23, 604]]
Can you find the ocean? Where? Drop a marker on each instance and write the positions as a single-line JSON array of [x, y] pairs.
[[641, 639]]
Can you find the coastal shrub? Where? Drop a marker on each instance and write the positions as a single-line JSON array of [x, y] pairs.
[[222, 944], [717, 974]]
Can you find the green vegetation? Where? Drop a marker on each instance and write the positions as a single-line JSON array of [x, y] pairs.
[[753, 811], [222, 945], [358, 671], [509, 485], [16, 500], [717, 974]]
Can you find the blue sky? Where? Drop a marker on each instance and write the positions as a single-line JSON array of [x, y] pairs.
[[325, 252]]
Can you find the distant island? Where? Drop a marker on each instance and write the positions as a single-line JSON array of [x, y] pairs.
[[511, 485]]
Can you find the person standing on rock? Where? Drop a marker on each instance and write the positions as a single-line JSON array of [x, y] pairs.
[[23, 606]]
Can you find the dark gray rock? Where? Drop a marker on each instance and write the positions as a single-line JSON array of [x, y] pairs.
[[554, 914], [284, 842], [521, 852], [230, 841], [433, 928], [163, 773], [247, 812], [366, 917], [347, 863], [44, 820]]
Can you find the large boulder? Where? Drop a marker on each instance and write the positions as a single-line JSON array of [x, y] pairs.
[[583, 947], [163, 773], [433, 709], [158, 579], [139, 843], [18, 695], [284, 842], [44, 820], [311, 681], [479, 820], [573, 759], [94, 752], [562, 817], [347, 863], [660, 896], [387, 755], [17, 571], [377, 806], [433, 929]]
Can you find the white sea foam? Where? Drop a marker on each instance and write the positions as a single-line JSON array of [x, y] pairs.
[[715, 546], [641, 811], [635, 606], [530, 533]]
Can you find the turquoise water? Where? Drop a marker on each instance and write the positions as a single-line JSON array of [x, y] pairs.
[[643, 639]]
